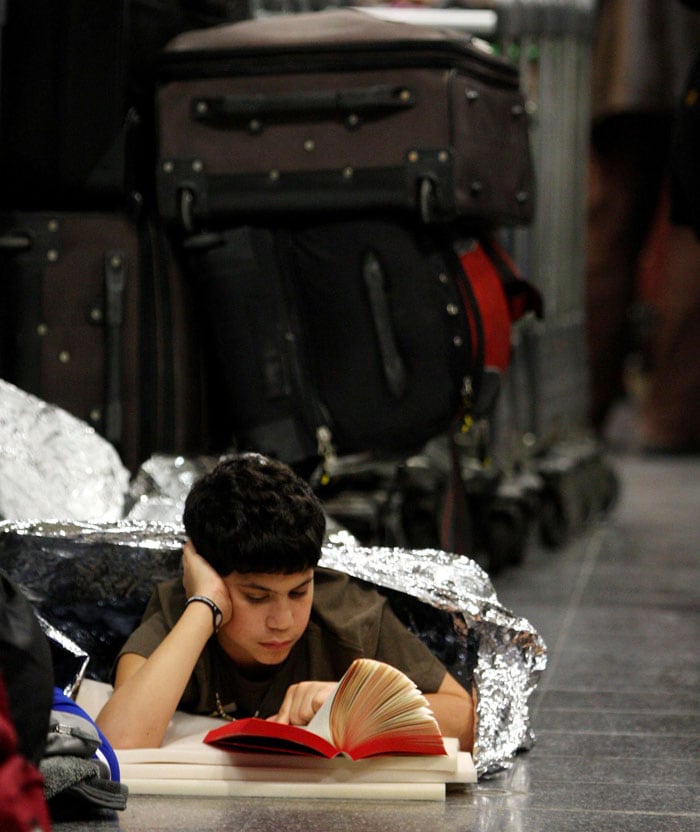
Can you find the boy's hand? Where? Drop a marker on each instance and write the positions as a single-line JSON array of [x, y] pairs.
[[199, 578], [301, 701]]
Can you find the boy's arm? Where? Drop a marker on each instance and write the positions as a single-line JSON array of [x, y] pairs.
[[148, 691], [454, 710]]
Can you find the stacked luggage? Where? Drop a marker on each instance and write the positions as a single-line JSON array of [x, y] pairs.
[[96, 313], [290, 236], [337, 181]]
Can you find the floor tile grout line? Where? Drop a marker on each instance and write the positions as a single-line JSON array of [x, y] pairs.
[[592, 551]]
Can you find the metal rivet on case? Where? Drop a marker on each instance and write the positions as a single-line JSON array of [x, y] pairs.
[[443, 156], [42, 330], [413, 156], [348, 173], [405, 95], [53, 226], [52, 255], [457, 341], [452, 309], [201, 107], [64, 357], [476, 188], [255, 125], [96, 314], [273, 175], [115, 261], [442, 277], [198, 166], [168, 167], [95, 415], [352, 120], [522, 197], [472, 95], [517, 110], [309, 145]]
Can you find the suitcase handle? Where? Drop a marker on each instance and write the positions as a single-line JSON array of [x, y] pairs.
[[250, 110]]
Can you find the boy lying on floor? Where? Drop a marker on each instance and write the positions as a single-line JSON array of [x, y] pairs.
[[254, 626]]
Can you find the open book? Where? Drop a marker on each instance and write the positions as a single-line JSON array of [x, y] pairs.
[[185, 765], [375, 710]]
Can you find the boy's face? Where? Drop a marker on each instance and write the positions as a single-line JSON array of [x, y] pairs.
[[270, 614]]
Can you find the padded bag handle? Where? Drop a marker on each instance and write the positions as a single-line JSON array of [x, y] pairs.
[[394, 367], [352, 104]]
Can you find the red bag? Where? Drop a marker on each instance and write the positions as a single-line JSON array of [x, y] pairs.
[[502, 297], [23, 807]]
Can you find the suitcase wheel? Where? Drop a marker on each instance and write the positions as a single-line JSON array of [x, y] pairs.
[[507, 533], [554, 526]]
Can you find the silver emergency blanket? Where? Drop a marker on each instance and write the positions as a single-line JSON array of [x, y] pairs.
[[161, 485], [510, 654], [54, 465], [69, 660], [92, 581]]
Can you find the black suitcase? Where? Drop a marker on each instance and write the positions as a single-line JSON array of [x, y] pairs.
[[77, 80], [338, 110], [343, 336], [97, 321]]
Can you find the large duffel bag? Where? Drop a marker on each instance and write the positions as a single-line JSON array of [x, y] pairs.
[[362, 334], [96, 320], [338, 110]]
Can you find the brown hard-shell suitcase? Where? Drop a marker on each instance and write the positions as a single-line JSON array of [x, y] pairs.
[[97, 321], [339, 110]]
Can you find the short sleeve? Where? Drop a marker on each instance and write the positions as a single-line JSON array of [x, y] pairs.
[[354, 619], [404, 650]]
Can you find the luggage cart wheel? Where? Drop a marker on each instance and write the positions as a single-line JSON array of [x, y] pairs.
[[506, 535], [554, 528], [610, 489]]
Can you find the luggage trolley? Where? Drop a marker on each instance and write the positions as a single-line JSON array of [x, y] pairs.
[[540, 432]]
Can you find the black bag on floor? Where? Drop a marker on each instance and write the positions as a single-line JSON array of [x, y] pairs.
[[26, 667], [362, 334]]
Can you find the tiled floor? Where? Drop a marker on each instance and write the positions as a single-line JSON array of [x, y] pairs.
[[617, 713]]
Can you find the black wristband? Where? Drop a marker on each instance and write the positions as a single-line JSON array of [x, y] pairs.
[[215, 611]]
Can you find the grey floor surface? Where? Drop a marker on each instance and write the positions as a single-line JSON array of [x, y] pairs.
[[617, 714]]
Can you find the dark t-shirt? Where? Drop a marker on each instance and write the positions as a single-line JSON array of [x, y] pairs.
[[349, 619]]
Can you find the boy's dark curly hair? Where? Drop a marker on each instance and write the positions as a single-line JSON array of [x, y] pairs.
[[254, 514]]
